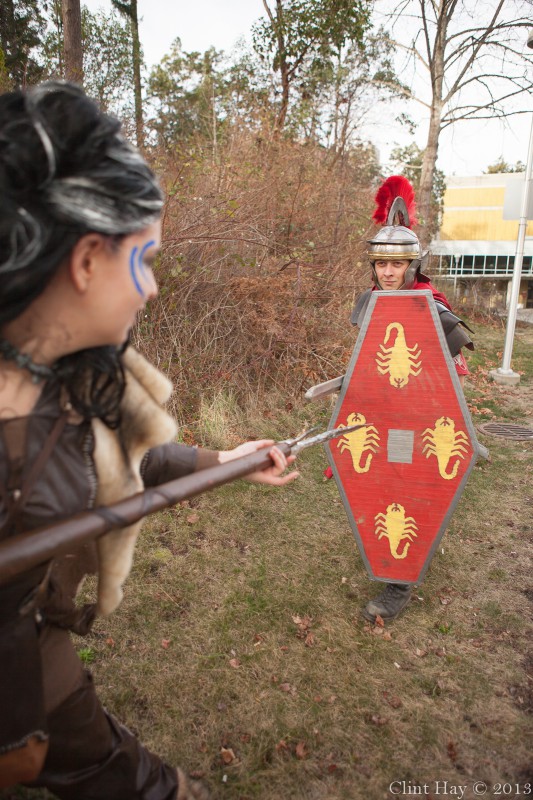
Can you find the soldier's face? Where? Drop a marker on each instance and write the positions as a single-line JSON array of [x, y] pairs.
[[391, 274]]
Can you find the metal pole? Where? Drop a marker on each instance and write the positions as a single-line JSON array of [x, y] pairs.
[[505, 369]]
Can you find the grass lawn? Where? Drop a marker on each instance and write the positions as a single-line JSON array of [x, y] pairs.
[[240, 652]]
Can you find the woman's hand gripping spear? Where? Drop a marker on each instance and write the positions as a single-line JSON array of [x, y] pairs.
[[25, 551]]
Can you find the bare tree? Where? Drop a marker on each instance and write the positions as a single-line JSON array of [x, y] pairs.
[[72, 49], [473, 54]]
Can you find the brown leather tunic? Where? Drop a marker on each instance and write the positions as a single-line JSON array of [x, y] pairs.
[[65, 486]]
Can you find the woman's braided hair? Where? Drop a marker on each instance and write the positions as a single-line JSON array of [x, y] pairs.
[[66, 170]]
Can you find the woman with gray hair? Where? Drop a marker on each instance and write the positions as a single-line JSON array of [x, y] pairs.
[[81, 425]]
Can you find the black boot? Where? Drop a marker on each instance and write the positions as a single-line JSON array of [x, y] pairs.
[[391, 602]]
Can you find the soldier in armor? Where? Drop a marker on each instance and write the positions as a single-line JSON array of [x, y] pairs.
[[396, 258]]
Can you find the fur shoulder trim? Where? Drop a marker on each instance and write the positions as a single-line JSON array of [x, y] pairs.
[[117, 458], [155, 383]]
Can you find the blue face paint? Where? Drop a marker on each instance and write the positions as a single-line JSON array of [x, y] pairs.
[[137, 268], [133, 271]]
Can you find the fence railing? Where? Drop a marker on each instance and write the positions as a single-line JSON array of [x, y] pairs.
[[475, 266]]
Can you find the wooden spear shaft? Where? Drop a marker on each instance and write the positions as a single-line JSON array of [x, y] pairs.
[[23, 552]]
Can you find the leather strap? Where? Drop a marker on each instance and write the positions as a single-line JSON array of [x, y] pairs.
[[16, 498]]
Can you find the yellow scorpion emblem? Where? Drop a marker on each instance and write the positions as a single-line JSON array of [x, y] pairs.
[[396, 527], [445, 443], [359, 442], [399, 360]]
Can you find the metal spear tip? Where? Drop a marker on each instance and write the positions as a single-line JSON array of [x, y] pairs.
[[325, 436], [296, 439], [307, 433], [334, 432]]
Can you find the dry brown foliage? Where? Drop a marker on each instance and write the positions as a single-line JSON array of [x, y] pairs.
[[262, 258]]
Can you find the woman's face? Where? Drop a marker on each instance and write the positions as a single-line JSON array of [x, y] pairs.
[[125, 284]]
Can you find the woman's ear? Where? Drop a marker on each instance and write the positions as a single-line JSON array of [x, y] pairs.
[[85, 258]]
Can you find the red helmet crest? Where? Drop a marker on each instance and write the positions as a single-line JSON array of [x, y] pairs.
[[395, 187]]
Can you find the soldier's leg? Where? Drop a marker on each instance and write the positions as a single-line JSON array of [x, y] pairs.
[[390, 603]]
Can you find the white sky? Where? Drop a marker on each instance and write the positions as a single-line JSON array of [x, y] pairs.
[[466, 148]]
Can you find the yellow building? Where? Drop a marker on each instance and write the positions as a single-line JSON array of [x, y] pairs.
[[478, 236]]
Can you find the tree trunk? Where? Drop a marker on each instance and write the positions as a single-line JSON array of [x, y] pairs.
[[137, 85], [436, 61], [72, 49], [428, 165], [129, 9]]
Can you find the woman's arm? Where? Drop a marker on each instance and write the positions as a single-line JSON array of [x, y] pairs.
[[171, 461]]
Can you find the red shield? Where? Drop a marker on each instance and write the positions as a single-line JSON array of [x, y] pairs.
[[401, 475]]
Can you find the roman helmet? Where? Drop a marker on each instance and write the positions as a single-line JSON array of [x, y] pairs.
[[395, 206]]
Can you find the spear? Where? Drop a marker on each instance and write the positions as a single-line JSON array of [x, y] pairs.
[[25, 551]]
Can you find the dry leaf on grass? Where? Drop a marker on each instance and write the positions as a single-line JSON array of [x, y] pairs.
[[452, 751], [288, 688], [304, 623], [301, 750], [420, 653], [227, 755], [165, 643], [376, 719], [235, 663], [379, 621], [393, 700], [193, 518]]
